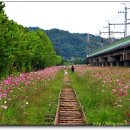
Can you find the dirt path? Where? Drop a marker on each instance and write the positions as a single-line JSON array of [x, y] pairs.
[[69, 111]]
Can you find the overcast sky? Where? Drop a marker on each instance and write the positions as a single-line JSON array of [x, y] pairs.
[[75, 17]]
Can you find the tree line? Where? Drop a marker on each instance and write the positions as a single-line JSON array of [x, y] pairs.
[[73, 45], [22, 50]]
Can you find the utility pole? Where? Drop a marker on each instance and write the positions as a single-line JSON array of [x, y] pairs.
[[125, 21], [117, 31], [100, 43], [107, 32], [87, 45], [125, 25]]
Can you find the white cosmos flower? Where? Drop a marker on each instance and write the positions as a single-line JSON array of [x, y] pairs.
[[26, 102], [5, 107], [119, 105], [5, 102]]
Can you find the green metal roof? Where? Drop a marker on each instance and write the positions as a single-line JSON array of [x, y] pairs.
[[119, 44]]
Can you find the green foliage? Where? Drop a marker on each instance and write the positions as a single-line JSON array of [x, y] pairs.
[[70, 45], [22, 50], [73, 61], [73, 45], [2, 5]]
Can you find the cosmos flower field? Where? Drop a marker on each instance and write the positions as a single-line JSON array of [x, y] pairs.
[[31, 98], [104, 93], [19, 94]]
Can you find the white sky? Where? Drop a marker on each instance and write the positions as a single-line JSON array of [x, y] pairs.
[[75, 17]]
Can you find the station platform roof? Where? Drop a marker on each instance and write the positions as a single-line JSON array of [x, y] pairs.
[[122, 43]]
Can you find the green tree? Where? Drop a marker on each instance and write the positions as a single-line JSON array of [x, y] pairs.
[[22, 50]]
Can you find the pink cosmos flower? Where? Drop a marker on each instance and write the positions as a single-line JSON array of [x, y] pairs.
[[126, 87]]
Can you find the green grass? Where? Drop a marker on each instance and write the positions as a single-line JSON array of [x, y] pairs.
[[41, 107], [97, 100]]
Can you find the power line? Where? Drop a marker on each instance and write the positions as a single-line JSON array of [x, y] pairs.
[[125, 17], [111, 24], [87, 44]]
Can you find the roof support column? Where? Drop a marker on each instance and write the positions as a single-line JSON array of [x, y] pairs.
[[111, 64], [126, 63], [117, 63], [106, 63], [112, 59]]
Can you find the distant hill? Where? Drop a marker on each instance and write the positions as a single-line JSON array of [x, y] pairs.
[[74, 45]]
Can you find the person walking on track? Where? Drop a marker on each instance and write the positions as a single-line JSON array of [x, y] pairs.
[[72, 68]]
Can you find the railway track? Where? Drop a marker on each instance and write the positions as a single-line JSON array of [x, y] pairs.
[[69, 111]]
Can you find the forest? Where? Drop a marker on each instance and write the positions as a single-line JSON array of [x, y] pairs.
[[23, 50], [73, 45]]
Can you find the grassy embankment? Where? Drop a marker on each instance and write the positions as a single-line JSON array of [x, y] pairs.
[[101, 105]]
